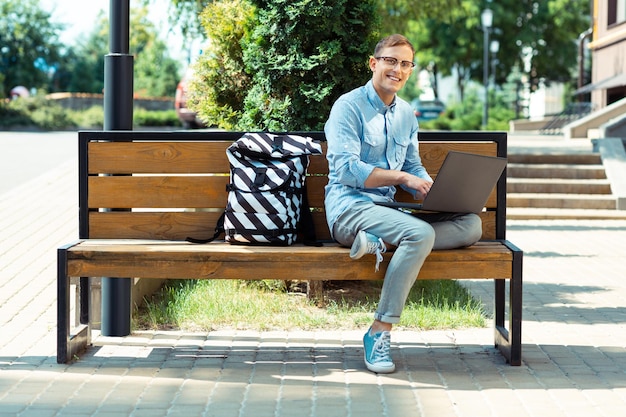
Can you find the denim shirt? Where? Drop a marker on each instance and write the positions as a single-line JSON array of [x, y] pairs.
[[364, 133]]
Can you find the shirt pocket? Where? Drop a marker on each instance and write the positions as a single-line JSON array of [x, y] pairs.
[[373, 149], [401, 144]]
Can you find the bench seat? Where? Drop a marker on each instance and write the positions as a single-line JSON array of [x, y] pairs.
[[219, 260]]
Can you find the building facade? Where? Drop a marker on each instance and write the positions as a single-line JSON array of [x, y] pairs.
[[608, 51]]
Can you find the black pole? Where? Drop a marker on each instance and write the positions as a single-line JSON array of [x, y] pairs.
[[118, 115], [486, 77]]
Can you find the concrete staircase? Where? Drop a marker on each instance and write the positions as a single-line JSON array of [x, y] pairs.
[[559, 186]]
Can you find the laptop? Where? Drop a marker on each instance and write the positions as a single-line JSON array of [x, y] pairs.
[[463, 184]]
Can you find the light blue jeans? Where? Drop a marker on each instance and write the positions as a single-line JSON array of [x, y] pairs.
[[414, 235]]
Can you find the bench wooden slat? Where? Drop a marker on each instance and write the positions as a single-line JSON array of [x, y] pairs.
[[191, 192], [208, 157], [162, 225], [324, 271], [173, 191], [153, 225], [158, 157], [433, 153], [219, 260]]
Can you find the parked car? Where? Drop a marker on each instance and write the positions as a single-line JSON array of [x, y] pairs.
[[428, 109], [187, 117]]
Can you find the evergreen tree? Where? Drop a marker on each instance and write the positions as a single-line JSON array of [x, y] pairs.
[[288, 61]]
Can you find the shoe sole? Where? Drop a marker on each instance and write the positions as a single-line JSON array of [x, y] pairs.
[[362, 238], [378, 369]]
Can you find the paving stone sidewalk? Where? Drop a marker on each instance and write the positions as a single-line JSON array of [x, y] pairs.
[[574, 353]]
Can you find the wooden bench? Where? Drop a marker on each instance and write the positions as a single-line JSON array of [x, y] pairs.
[[136, 190]]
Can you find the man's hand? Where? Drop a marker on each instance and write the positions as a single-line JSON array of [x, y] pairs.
[[418, 184], [382, 178]]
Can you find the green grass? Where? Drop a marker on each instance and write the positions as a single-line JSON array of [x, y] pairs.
[[265, 305]]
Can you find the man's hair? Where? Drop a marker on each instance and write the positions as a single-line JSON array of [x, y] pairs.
[[393, 40]]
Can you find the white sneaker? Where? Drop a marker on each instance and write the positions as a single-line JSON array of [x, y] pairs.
[[365, 243]]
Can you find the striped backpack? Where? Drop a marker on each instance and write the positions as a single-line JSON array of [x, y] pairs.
[[267, 188], [267, 201]]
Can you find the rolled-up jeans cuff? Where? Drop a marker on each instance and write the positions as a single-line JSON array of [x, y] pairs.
[[386, 319]]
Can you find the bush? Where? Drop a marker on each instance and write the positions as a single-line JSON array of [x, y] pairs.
[[34, 111], [156, 118], [40, 113], [12, 116], [92, 118]]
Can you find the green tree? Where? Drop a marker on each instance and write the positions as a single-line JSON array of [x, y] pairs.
[[302, 56], [84, 71], [296, 56], [395, 13], [549, 31], [186, 15], [220, 82], [536, 38], [451, 45], [398, 14], [29, 45], [156, 74]]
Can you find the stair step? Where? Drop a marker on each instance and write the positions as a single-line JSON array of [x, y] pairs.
[[562, 201], [519, 213], [575, 159], [558, 186], [562, 171]]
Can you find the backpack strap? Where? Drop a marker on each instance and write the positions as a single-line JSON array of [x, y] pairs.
[[219, 229], [306, 221]]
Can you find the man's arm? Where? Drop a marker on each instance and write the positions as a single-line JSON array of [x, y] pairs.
[[384, 178]]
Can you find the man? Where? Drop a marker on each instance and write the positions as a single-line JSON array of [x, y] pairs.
[[372, 148]]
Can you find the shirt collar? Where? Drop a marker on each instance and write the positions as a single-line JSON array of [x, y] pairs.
[[375, 100]]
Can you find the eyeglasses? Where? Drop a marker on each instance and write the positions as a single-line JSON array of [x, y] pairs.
[[391, 62]]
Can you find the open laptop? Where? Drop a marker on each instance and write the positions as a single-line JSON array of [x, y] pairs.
[[463, 184]]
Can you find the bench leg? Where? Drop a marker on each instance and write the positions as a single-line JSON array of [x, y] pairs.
[[509, 342], [70, 341], [85, 300], [315, 292]]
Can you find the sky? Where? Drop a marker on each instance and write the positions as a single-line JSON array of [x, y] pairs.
[[77, 15]]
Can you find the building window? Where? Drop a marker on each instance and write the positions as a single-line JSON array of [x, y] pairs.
[[616, 12]]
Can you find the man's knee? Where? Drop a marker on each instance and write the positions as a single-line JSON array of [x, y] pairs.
[[422, 233], [474, 228]]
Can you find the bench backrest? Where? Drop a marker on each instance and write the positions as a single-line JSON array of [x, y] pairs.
[[172, 185]]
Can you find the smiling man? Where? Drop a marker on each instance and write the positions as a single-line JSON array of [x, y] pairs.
[[372, 148]]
